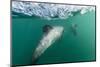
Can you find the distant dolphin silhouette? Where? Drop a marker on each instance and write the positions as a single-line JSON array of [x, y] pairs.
[[74, 29]]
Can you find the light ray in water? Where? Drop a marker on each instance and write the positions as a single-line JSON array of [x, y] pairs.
[[47, 40]]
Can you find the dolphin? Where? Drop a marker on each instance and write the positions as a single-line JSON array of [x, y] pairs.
[[53, 33], [74, 29]]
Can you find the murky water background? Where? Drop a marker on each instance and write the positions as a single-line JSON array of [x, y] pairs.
[[71, 47]]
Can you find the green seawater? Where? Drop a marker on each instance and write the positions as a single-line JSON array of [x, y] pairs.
[[27, 31]]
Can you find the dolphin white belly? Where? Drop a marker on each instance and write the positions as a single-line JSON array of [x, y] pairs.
[[47, 41]]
